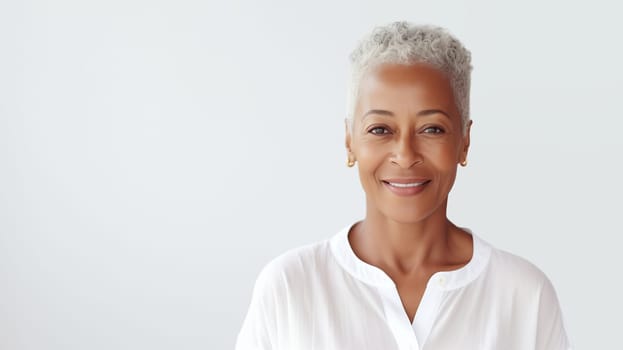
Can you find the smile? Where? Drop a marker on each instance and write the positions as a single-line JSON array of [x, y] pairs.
[[406, 187], [414, 184]]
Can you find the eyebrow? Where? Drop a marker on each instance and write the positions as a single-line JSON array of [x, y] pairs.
[[391, 114]]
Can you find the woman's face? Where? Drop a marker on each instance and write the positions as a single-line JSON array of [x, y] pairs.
[[407, 140]]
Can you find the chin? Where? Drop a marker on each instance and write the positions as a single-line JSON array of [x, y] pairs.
[[406, 215]]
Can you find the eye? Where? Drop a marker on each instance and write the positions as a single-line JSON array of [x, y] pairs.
[[433, 130], [378, 130]]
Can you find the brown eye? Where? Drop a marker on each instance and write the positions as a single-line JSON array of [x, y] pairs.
[[379, 130], [434, 130]]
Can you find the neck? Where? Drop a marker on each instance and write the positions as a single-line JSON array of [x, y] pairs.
[[403, 246]]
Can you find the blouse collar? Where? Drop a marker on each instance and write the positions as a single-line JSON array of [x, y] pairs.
[[444, 280]]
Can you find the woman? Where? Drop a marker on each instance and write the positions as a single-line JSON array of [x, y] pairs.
[[405, 277]]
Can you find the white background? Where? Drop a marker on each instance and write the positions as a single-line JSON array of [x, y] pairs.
[[155, 155]]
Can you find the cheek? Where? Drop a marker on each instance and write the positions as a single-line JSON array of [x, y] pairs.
[[369, 160], [444, 162], [444, 157]]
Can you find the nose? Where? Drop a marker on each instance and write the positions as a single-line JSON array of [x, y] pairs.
[[406, 153]]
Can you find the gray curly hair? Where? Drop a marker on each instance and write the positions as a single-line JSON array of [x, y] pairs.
[[405, 43]]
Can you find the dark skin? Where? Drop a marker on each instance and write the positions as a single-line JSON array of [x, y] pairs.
[[406, 126]]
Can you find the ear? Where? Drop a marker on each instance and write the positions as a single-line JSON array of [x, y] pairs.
[[466, 141]]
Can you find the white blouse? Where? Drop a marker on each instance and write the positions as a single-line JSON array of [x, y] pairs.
[[323, 297]]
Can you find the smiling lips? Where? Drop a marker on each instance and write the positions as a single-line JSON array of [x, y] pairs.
[[406, 187]]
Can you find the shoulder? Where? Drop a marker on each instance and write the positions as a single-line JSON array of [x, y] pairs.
[[297, 259], [515, 275], [278, 290], [524, 278], [294, 267], [516, 283]]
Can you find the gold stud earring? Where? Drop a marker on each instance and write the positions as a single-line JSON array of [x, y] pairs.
[[464, 163], [350, 162]]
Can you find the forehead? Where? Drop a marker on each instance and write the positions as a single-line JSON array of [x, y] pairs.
[[405, 88]]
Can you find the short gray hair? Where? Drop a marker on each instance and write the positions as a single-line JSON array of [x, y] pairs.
[[406, 43]]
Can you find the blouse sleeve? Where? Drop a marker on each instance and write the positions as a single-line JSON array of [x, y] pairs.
[[551, 334]]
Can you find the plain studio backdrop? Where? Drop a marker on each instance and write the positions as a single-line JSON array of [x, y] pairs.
[[155, 155]]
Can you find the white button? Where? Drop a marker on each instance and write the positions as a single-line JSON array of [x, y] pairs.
[[442, 281]]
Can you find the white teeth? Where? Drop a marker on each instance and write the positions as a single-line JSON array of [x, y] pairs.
[[406, 185]]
